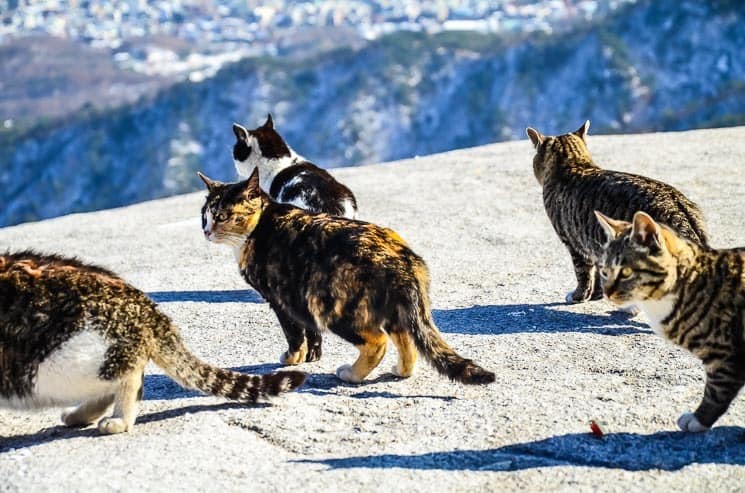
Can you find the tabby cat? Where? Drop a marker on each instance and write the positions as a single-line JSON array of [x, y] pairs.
[[286, 176], [76, 334], [358, 280], [693, 295], [574, 186]]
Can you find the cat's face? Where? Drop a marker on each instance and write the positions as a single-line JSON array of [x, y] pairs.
[[637, 264], [231, 210], [253, 146], [551, 151]]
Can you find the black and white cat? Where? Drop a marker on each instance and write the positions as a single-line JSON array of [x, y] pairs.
[[288, 177]]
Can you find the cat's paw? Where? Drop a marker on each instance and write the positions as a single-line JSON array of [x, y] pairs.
[[572, 299], [345, 373], [689, 422], [314, 354], [288, 358], [112, 426], [73, 418], [631, 310], [401, 373]]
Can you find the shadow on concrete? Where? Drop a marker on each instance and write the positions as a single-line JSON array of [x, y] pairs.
[[538, 318], [668, 451], [65, 433], [234, 296], [324, 384], [162, 387]]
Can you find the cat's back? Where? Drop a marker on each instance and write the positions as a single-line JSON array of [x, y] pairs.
[[312, 188], [573, 194]]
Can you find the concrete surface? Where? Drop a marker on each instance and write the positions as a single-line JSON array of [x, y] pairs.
[[499, 278]]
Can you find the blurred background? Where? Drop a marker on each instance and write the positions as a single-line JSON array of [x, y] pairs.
[[109, 103]]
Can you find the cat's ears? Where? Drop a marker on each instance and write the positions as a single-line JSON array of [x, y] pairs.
[[536, 137], [211, 184], [581, 132], [269, 123], [645, 231], [240, 132], [612, 227]]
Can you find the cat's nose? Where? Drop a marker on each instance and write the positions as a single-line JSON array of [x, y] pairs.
[[207, 233]]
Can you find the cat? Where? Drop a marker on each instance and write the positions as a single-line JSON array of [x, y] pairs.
[[320, 272], [574, 186], [693, 295], [286, 176], [76, 334]]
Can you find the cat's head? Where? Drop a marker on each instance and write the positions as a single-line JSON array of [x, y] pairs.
[[640, 259], [253, 146], [552, 151], [231, 210]]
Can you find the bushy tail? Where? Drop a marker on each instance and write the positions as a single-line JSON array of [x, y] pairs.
[[433, 347], [190, 372]]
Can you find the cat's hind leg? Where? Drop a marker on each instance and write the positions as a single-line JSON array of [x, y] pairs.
[[407, 354], [585, 271], [371, 351], [125, 405], [88, 412]]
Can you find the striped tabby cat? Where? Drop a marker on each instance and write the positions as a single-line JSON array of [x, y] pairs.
[[574, 186], [358, 280], [75, 334], [694, 296]]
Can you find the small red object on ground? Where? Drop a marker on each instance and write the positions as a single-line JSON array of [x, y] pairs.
[[596, 431]]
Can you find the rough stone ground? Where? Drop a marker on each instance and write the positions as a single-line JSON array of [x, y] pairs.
[[499, 279]]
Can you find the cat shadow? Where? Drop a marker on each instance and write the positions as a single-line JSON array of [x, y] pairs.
[[535, 318], [323, 384], [219, 296], [65, 433], [668, 451]]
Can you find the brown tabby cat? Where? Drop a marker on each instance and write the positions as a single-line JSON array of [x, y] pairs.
[[693, 295], [358, 280], [574, 186], [76, 334]]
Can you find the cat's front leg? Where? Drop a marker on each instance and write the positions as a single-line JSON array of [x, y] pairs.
[[297, 350], [315, 342], [723, 381], [585, 271]]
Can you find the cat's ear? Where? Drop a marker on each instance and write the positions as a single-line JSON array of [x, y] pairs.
[[536, 137], [269, 123], [645, 231], [612, 227], [581, 132], [211, 184], [240, 132]]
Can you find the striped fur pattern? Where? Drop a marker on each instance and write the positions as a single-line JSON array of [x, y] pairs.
[[72, 334], [693, 295], [286, 176], [574, 186], [320, 272]]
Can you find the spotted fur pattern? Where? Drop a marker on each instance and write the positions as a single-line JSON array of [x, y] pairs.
[[288, 177], [574, 186], [693, 295], [320, 272], [76, 334]]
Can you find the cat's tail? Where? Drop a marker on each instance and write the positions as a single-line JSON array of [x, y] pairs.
[[189, 371], [433, 347]]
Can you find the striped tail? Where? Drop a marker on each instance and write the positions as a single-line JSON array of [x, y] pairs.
[[433, 347], [190, 372]]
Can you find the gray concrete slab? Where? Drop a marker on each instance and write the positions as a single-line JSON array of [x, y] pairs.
[[499, 276]]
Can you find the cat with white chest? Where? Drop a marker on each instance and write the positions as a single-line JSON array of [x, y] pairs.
[[286, 176]]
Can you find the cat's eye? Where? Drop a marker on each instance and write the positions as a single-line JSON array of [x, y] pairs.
[[626, 272], [223, 216]]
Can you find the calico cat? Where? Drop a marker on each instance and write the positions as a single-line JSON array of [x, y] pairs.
[[76, 334], [286, 176], [693, 295], [574, 186], [358, 280]]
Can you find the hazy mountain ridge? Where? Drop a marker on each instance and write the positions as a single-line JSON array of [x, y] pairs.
[[660, 65]]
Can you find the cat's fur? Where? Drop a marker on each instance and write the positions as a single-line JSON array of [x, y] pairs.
[[286, 176], [693, 295], [358, 280], [574, 186], [76, 334]]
